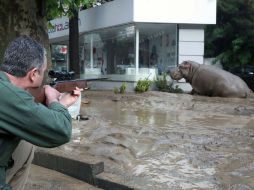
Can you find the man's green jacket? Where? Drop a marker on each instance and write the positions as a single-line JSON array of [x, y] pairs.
[[22, 118]]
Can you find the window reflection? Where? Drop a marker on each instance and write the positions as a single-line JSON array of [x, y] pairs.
[[108, 51], [157, 46], [112, 51], [59, 57]]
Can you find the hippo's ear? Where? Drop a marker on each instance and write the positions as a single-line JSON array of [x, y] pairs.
[[185, 65]]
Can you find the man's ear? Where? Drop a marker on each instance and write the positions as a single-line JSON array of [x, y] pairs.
[[32, 74]]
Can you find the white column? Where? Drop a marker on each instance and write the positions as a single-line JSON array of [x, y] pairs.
[[83, 57], [191, 45], [91, 52], [137, 51], [67, 60]]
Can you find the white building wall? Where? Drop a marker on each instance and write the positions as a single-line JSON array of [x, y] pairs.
[[191, 45], [110, 14], [175, 11], [119, 12], [59, 29]]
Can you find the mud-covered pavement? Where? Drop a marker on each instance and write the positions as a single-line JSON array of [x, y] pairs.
[[164, 141]]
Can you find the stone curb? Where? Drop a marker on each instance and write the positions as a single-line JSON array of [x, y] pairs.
[[83, 171], [79, 170]]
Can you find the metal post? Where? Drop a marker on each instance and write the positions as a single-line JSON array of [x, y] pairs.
[[91, 52], [137, 51]]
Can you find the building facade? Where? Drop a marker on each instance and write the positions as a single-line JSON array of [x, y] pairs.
[[128, 40]]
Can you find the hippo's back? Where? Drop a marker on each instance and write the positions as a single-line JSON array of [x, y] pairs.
[[219, 82]]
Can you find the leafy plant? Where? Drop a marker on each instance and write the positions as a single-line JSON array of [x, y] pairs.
[[143, 85], [162, 85], [116, 90], [122, 88], [175, 89], [61, 8]]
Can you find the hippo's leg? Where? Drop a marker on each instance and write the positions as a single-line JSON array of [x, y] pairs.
[[193, 92]]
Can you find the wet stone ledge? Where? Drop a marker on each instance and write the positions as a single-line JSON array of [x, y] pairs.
[[92, 173]]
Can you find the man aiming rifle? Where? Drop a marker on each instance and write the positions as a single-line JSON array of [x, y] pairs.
[[23, 122]]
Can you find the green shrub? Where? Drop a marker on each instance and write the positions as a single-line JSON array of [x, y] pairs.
[[175, 89], [162, 85], [122, 88], [143, 85], [116, 90]]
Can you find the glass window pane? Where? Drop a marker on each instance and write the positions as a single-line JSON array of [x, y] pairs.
[[157, 46], [111, 51], [108, 51], [59, 57]]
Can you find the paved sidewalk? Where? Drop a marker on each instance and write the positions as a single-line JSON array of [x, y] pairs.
[[44, 179]]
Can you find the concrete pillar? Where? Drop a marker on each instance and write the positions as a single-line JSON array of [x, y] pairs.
[[191, 44]]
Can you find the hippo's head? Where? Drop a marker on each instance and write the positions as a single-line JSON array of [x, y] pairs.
[[175, 74], [182, 71]]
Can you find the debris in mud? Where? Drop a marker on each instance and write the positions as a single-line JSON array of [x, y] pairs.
[[242, 110]]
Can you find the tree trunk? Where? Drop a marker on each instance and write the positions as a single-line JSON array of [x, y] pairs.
[[74, 44], [23, 17]]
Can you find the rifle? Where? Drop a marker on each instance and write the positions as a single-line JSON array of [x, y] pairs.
[[63, 82]]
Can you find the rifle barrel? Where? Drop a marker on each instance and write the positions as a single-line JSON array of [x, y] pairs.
[[70, 85], [85, 79], [62, 86]]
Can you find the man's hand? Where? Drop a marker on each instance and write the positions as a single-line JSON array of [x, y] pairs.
[[52, 95], [67, 99]]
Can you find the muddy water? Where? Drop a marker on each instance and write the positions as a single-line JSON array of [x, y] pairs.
[[169, 141]]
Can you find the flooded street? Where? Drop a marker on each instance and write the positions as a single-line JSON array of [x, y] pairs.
[[164, 141]]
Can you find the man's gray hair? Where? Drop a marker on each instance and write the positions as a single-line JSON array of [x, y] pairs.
[[22, 55]]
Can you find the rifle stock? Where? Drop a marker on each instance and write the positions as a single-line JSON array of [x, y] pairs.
[[61, 86]]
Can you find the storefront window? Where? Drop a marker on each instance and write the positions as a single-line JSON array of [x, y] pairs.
[[109, 51], [59, 57], [157, 46], [112, 51]]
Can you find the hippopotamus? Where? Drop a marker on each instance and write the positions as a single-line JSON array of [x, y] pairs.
[[209, 80]]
